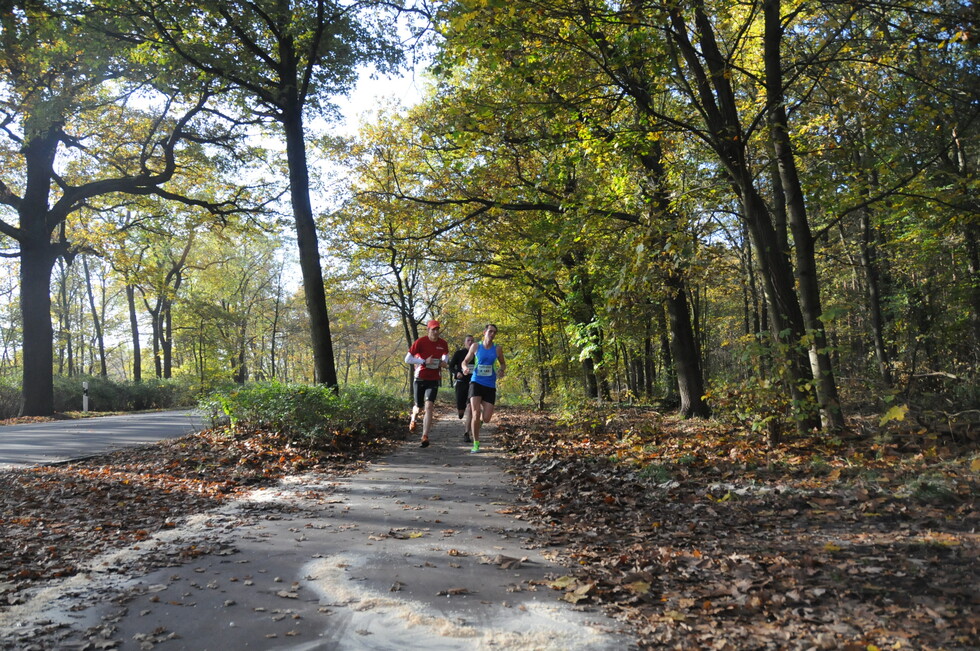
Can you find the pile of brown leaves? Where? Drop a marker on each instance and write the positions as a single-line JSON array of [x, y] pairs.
[[55, 518], [700, 537]]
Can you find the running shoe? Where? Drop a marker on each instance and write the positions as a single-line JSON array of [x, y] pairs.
[[411, 426], [467, 438], [476, 447], [424, 443]]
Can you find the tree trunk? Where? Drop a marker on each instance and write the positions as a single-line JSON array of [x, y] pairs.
[[784, 312], [806, 269], [201, 355], [972, 237], [649, 362], [684, 350], [590, 383], [156, 336], [541, 355], [66, 351], [683, 335], [669, 368], [779, 217], [581, 307], [869, 263], [134, 329], [241, 369], [96, 321], [630, 371], [711, 87], [309, 253], [166, 338], [275, 328], [36, 264], [37, 256]]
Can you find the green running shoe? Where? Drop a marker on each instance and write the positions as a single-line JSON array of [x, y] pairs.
[[476, 447]]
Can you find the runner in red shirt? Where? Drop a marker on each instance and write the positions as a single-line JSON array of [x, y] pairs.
[[429, 353]]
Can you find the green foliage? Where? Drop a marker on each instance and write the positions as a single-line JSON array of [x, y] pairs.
[[759, 401], [10, 393], [111, 395], [656, 472], [306, 414], [105, 395], [756, 403], [931, 489], [579, 414]]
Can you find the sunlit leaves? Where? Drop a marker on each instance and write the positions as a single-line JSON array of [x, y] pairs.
[[273, 52]]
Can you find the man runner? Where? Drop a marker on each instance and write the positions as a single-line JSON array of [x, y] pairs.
[[429, 353], [461, 382]]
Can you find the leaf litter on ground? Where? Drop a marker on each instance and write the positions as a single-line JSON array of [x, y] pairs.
[[56, 518], [695, 534], [700, 536]]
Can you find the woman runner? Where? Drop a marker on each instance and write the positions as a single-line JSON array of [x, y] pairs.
[[483, 381]]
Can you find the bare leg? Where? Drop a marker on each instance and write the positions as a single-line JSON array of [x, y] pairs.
[[487, 411], [411, 422], [427, 418], [467, 418], [476, 412]]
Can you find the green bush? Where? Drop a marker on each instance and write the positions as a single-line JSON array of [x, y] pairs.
[[9, 401], [310, 415], [111, 395], [160, 394], [103, 394]]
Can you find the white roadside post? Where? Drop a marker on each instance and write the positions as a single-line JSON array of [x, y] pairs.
[[85, 397]]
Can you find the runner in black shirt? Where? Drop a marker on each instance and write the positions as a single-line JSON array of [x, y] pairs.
[[462, 384]]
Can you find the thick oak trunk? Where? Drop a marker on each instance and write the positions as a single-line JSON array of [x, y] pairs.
[[36, 263], [37, 256]]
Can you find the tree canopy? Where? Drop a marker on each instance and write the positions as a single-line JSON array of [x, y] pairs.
[[765, 211]]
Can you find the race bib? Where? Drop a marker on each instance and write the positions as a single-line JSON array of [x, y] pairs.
[[484, 370], [433, 363]]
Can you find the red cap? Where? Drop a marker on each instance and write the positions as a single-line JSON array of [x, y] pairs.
[[432, 324]]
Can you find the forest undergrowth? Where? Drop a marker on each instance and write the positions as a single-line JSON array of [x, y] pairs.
[[701, 536]]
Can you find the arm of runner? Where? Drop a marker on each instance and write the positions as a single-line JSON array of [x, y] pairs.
[[503, 364], [412, 359], [468, 358]]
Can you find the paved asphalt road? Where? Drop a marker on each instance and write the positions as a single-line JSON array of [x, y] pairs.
[[62, 440]]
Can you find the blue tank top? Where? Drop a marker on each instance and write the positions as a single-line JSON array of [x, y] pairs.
[[485, 366]]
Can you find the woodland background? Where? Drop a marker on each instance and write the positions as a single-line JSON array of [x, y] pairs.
[[763, 210]]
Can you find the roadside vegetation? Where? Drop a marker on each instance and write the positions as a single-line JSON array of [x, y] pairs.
[[105, 395]]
